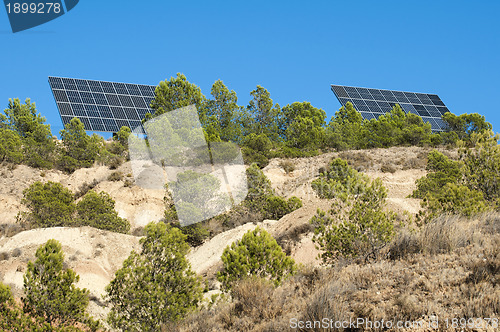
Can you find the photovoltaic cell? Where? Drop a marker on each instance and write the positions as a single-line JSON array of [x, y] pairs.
[[103, 106], [371, 103]]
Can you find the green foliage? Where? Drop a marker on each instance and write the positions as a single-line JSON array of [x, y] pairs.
[[345, 129], [156, 286], [276, 206], [12, 317], [256, 254], [341, 180], [452, 198], [49, 205], [177, 93], [79, 149], [441, 170], [98, 210], [482, 165], [264, 113], [10, 146], [261, 196], [223, 112], [364, 226], [302, 126], [195, 234], [465, 125], [38, 146], [49, 289], [396, 128], [466, 187], [122, 136]]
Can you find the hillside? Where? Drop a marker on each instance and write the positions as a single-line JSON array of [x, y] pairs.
[[96, 255]]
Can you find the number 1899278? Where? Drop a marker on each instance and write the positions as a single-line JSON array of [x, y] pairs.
[[33, 8]]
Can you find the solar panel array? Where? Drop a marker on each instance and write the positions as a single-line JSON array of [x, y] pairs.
[[372, 103], [102, 106]]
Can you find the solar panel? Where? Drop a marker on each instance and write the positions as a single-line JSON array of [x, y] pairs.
[[371, 103], [102, 106]]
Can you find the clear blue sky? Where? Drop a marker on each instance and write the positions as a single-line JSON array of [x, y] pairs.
[[294, 49]]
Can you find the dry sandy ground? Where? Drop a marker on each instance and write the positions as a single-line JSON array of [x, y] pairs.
[[96, 255]]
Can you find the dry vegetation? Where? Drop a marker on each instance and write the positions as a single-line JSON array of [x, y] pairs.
[[448, 269]]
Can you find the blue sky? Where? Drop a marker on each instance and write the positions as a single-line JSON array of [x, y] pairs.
[[295, 49]]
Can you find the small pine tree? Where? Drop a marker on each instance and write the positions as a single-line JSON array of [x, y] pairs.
[[364, 226], [49, 289], [156, 286], [256, 254], [49, 205], [98, 210], [10, 146]]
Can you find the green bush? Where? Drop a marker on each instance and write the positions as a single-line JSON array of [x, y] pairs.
[[482, 165], [49, 205], [115, 176], [456, 199], [442, 170], [50, 292], [38, 144], [79, 149], [341, 180], [364, 226], [195, 234], [98, 210], [159, 279], [362, 232], [256, 254], [12, 317], [10, 146], [251, 156]]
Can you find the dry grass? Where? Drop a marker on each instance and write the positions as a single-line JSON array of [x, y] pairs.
[[287, 165], [9, 230], [115, 176], [359, 160], [449, 268], [292, 236], [388, 168]]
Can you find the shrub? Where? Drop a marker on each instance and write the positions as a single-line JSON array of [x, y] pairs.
[[455, 199], [16, 252], [85, 187], [362, 233], [98, 210], [10, 146], [79, 149], [49, 205], [12, 317], [288, 166], [482, 165], [115, 176], [276, 207], [388, 168], [256, 254], [341, 180], [49, 289], [251, 156], [159, 279], [442, 170], [365, 227], [195, 234]]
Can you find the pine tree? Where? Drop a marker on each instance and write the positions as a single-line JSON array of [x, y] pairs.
[[49, 289], [98, 210], [256, 254], [156, 286]]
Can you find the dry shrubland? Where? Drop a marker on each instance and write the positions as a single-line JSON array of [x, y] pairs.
[[449, 268]]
